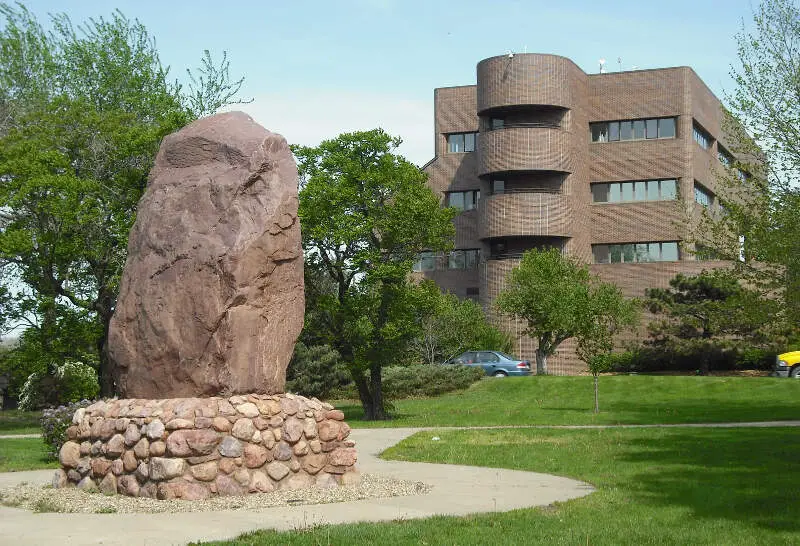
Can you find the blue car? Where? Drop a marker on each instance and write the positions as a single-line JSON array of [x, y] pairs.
[[494, 363]]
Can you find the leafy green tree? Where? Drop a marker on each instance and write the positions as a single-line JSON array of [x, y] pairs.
[[82, 113], [366, 214], [456, 325], [558, 299], [703, 312], [760, 231], [607, 313]]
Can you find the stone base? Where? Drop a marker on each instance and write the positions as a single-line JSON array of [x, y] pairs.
[[194, 448]]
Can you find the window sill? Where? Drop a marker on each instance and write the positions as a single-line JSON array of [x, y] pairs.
[[603, 203], [632, 140]]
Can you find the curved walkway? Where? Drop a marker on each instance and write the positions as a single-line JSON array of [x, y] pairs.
[[457, 491]]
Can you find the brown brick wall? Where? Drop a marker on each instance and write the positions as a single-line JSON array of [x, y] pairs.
[[535, 214], [524, 148]]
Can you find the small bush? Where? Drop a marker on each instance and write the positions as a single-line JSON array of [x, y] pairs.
[[720, 358], [315, 370], [427, 380], [55, 422], [71, 381]]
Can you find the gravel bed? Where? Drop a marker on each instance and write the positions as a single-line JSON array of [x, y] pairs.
[[47, 499]]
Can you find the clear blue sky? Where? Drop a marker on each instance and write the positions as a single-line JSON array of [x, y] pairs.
[[317, 68]]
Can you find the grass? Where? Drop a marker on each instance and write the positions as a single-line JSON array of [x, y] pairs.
[[24, 454], [655, 486], [20, 422], [623, 399]]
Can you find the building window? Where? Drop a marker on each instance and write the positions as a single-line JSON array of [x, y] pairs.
[[701, 136], [473, 292], [724, 156], [498, 186], [461, 142], [702, 195], [425, 262], [743, 176], [639, 129], [463, 259], [496, 123], [463, 200], [636, 253], [641, 190]]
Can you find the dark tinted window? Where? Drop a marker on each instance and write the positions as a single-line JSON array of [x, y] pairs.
[[638, 129], [613, 131], [652, 128], [625, 130], [666, 128], [600, 193]]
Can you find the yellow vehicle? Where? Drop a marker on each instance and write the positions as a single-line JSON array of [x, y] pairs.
[[788, 365]]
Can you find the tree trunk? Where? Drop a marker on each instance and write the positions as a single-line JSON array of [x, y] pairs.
[[376, 384], [370, 392], [541, 362], [596, 395], [105, 370]]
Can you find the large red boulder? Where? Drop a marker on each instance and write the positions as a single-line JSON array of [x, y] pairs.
[[211, 298]]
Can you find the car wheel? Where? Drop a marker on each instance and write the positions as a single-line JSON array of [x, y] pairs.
[[499, 373], [795, 373]]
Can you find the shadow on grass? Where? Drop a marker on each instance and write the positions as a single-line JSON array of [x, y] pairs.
[[745, 474]]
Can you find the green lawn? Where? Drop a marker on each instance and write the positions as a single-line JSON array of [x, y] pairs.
[[24, 454], [20, 422], [623, 399], [655, 486]]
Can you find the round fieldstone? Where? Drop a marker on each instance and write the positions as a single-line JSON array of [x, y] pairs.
[[127, 485], [59, 479], [230, 447], [157, 449], [248, 409], [155, 430], [328, 430], [129, 462], [185, 443], [228, 486], [132, 434], [109, 485], [277, 470], [69, 454], [221, 424], [282, 452], [142, 448], [115, 446], [243, 429], [117, 467], [162, 468], [204, 472], [260, 483], [254, 455], [292, 429]]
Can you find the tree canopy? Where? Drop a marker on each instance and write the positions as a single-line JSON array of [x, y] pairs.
[[760, 230], [82, 113], [708, 310], [559, 299], [366, 215]]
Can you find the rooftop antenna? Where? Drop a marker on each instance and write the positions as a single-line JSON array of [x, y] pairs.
[[619, 60], [510, 54], [602, 64]]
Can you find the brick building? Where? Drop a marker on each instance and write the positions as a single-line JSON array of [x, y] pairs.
[[612, 168]]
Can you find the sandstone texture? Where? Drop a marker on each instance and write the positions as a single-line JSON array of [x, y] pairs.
[[193, 463], [211, 298]]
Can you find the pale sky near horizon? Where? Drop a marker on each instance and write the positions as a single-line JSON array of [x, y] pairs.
[[316, 69]]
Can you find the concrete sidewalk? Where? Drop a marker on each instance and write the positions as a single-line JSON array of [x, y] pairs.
[[457, 491]]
